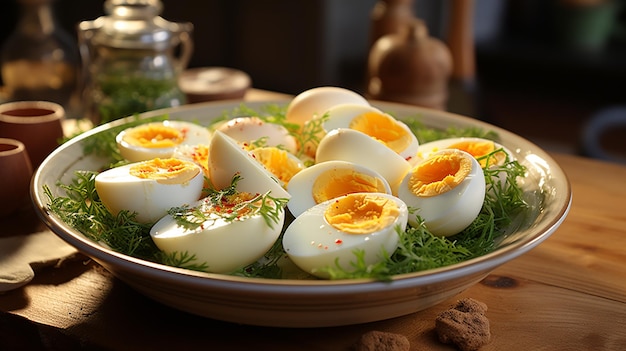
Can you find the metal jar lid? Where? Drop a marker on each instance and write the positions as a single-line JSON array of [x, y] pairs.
[[134, 24]]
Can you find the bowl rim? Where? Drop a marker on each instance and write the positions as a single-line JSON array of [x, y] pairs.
[[190, 278]]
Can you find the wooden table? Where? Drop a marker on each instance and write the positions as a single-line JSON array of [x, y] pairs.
[[569, 293]]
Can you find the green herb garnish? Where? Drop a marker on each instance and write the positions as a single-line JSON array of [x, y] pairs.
[[229, 205], [181, 260], [425, 134], [82, 209], [268, 266], [421, 250], [504, 205]]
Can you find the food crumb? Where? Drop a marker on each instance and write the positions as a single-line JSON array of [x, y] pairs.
[[464, 325], [382, 341]]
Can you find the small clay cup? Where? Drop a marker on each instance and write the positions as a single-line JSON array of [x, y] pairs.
[[37, 124], [15, 175]]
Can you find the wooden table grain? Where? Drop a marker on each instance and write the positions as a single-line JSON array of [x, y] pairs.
[[569, 293]]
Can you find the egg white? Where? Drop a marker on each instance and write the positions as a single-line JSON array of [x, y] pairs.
[[197, 154], [427, 149], [313, 103], [301, 185], [342, 116], [451, 211], [251, 129], [149, 198], [223, 245], [353, 146], [228, 158], [193, 134], [312, 244]]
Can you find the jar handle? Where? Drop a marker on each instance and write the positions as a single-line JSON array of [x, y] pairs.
[[85, 33], [186, 45]]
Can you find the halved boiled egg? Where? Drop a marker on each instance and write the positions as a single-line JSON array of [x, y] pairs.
[[331, 179], [381, 126], [329, 233], [279, 162], [159, 139], [198, 154], [228, 158], [313, 103], [309, 107], [480, 148], [447, 189], [351, 145], [255, 130], [227, 232], [150, 188]]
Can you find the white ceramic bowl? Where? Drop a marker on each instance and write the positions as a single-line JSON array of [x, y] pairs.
[[310, 303]]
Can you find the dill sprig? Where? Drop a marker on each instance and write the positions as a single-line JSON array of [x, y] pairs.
[[268, 265], [425, 134], [418, 250], [181, 260], [271, 113], [360, 269], [503, 194], [310, 134], [229, 205], [82, 209]]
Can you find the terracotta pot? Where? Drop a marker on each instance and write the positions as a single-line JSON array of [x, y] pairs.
[[37, 124], [15, 175]]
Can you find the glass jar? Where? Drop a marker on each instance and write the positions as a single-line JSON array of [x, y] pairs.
[[130, 60], [40, 61]]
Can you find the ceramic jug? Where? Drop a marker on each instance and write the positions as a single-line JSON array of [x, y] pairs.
[[389, 17], [132, 58], [410, 67]]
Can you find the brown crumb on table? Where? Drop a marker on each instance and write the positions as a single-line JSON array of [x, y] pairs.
[[464, 325], [382, 341]]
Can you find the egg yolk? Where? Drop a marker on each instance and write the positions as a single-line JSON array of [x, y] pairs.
[[233, 206], [200, 155], [154, 136], [165, 171], [439, 173], [383, 128], [479, 149], [361, 213], [337, 182], [277, 161]]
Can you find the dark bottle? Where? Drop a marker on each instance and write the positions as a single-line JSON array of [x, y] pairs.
[[40, 61]]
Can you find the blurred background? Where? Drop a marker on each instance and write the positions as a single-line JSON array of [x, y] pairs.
[[544, 69]]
